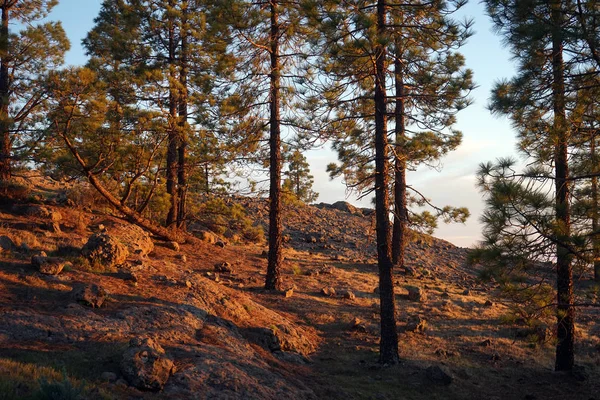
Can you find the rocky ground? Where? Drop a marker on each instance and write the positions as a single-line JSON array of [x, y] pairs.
[[131, 317]]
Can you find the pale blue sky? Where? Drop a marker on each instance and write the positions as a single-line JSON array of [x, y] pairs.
[[485, 137]]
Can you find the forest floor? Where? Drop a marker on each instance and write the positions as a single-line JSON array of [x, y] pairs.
[[231, 339]]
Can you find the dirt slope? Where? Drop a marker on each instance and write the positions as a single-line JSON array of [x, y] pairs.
[[230, 339]]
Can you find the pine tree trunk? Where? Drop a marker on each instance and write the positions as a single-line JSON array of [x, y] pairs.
[[273, 279], [172, 140], [595, 211], [5, 138], [388, 347], [564, 272], [183, 116], [400, 208]]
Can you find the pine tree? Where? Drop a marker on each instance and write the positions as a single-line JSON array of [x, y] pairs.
[[25, 58], [298, 179], [522, 221], [372, 50], [169, 57], [271, 37]]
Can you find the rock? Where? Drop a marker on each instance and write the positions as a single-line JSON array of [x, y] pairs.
[[438, 375], [220, 244], [328, 270], [53, 227], [108, 377], [89, 294], [358, 325], [145, 365], [55, 216], [486, 343], [416, 294], [289, 292], [310, 239], [328, 291], [409, 271], [136, 240], [182, 257], [6, 243], [173, 246], [445, 295], [224, 267], [346, 207], [488, 304], [37, 211], [188, 284], [49, 265], [207, 236], [121, 383], [466, 292], [418, 325], [349, 295], [105, 249], [579, 373]]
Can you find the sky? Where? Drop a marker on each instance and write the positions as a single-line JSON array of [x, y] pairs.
[[485, 137]]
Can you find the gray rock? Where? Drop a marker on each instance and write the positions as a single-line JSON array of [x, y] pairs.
[[6, 243], [104, 249], [53, 227], [418, 325], [349, 295], [89, 294], [49, 265], [173, 246], [416, 293], [438, 375], [108, 377], [224, 267], [145, 365]]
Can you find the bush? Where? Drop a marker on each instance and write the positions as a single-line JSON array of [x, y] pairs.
[[60, 390], [220, 217], [11, 192]]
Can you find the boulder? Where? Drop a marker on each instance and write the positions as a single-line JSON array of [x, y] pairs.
[[49, 265], [328, 291], [417, 325], [224, 267], [349, 295], [172, 245], [416, 294], [438, 375], [89, 294], [105, 249], [136, 240], [346, 207], [207, 236], [37, 211], [6, 244], [145, 365], [53, 227]]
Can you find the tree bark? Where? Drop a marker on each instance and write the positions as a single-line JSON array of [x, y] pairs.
[[131, 215], [273, 279], [564, 272], [5, 137], [595, 211], [388, 348], [400, 208], [172, 140], [183, 116]]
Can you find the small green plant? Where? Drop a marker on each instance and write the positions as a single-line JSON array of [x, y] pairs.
[[60, 390], [296, 270]]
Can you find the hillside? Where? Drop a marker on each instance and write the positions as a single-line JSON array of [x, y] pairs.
[[203, 303]]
